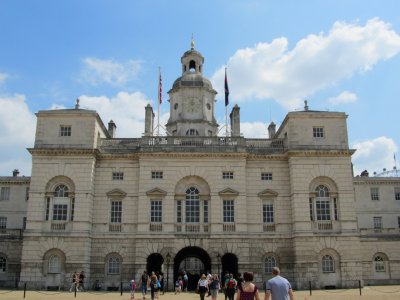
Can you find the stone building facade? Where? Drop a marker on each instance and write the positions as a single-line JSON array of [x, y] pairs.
[[195, 201]]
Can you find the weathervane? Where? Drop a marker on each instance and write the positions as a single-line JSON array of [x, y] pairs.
[[192, 43]]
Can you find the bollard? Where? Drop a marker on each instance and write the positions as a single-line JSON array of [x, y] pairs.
[[24, 289], [309, 284], [76, 287], [121, 288], [359, 286]]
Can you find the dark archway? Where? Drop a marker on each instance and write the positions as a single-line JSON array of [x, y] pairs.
[[195, 261], [229, 262], [154, 263]]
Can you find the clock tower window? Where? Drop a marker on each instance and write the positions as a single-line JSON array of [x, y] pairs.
[[192, 132]]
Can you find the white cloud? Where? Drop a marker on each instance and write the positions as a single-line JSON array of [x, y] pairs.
[[3, 77], [109, 71], [271, 70], [374, 155], [125, 109], [17, 133], [343, 98], [254, 129]]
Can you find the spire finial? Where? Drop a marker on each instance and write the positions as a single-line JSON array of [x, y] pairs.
[[305, 105], [77, 104], [192, 43]]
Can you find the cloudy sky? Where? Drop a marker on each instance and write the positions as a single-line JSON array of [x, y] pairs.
[[340, 55]]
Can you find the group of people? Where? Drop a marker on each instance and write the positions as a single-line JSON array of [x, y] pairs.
[[277, 288], [78, 282], [154, 283]]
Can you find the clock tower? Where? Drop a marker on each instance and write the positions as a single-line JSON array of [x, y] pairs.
[[192, 99]]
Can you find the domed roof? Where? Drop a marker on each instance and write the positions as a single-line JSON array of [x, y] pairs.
[[192, 80], [191, 52]]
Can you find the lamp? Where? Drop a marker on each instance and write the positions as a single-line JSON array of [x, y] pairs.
[[167, 260], [218, 262]]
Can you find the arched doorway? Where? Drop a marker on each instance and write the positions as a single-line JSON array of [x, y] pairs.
[[194, 261], [154, 263], [229, 264]]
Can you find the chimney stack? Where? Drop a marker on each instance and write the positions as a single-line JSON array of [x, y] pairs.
[[235, 121], [112, 128], [148, 121], [15, 173], [271, 130]]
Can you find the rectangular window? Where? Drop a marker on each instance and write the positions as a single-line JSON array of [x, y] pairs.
[[65, 130], [266, 176], [72, 209], [335, 209], [118, 176], [116, 212], [205, 210], [157, 175], [156, 211], [24, 223], [179, 211], [192, 207], [397, 193], [3, 222], [5, 193], [323, 210], [27, 194], [228, 211], [47, 208], [310, 204], [374, 193], [377, 222], [268, 213], [227, 175], [318, 132], [60, 212]]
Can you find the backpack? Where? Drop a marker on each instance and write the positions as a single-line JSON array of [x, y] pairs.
[[231, 284]]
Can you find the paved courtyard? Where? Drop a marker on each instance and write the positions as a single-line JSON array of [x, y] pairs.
[[375, 293]]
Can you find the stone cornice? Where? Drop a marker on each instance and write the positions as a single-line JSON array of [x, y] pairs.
[[15, 180], [320, 152], [62, 151], [376, 180]]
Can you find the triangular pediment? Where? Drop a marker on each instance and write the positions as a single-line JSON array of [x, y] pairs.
[[267, 194], [228, 192], [156, 192], [116, 193]]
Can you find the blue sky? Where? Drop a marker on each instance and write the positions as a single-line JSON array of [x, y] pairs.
[[339, 55]]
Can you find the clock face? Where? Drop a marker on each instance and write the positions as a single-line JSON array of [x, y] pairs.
[[193, 105]]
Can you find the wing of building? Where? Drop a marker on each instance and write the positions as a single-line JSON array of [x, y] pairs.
[[195, 201]]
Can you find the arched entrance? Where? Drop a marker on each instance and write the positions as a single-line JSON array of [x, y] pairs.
[[194, 261], [154, 263], [229, 264]]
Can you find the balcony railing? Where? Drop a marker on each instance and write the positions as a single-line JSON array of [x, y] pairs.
[[269, 227], [58, 226], [6, 233], [157, 227], [115, 227], [229, 227]]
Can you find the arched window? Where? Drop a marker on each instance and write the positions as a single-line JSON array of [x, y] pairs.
[[269, 264], [379, 264], [323, 207], [54, 265], [192, 205], [328, 264], [3, 264], [192, 132], [60, 204], [114, 265]]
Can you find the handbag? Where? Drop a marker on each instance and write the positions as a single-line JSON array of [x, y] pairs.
[[158, 284]]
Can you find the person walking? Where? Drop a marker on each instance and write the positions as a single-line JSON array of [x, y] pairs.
[[133, 288], [214, 287], [75, 282], [152, 284], [81, 281], [230, 287], [202, 286], [247, 290], [143, 283], [278, 287]]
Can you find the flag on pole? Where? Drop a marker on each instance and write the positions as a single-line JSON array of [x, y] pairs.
[[159, 88], [226, 90]]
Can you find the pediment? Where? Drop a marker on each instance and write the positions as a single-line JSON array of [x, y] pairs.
[[156, 192], [267, 194], [228, 192], [116, 193]]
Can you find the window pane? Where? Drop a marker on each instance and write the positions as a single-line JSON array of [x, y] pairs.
[[205, 211], [266, 176], [327, 264], [379, 264], [60, 212], [377, 222], [156, 211], [268, 213], [192, 205], [61, 191], [54, 264], [374, 193], [269, 263], [179, 211], [5, 193], [65, 130], [118, 175], [227, 175], [157, 175], [116, 211], [397, 193], [113, 265], [228, 211], [323, 210], [3, 264], [318, 132], [3, 222]]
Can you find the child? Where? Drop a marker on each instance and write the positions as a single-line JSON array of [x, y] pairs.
[[133, 288], [178, 286]]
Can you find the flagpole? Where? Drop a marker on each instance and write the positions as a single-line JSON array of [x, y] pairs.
[[226, 121], [226, 103], [159, 100]]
